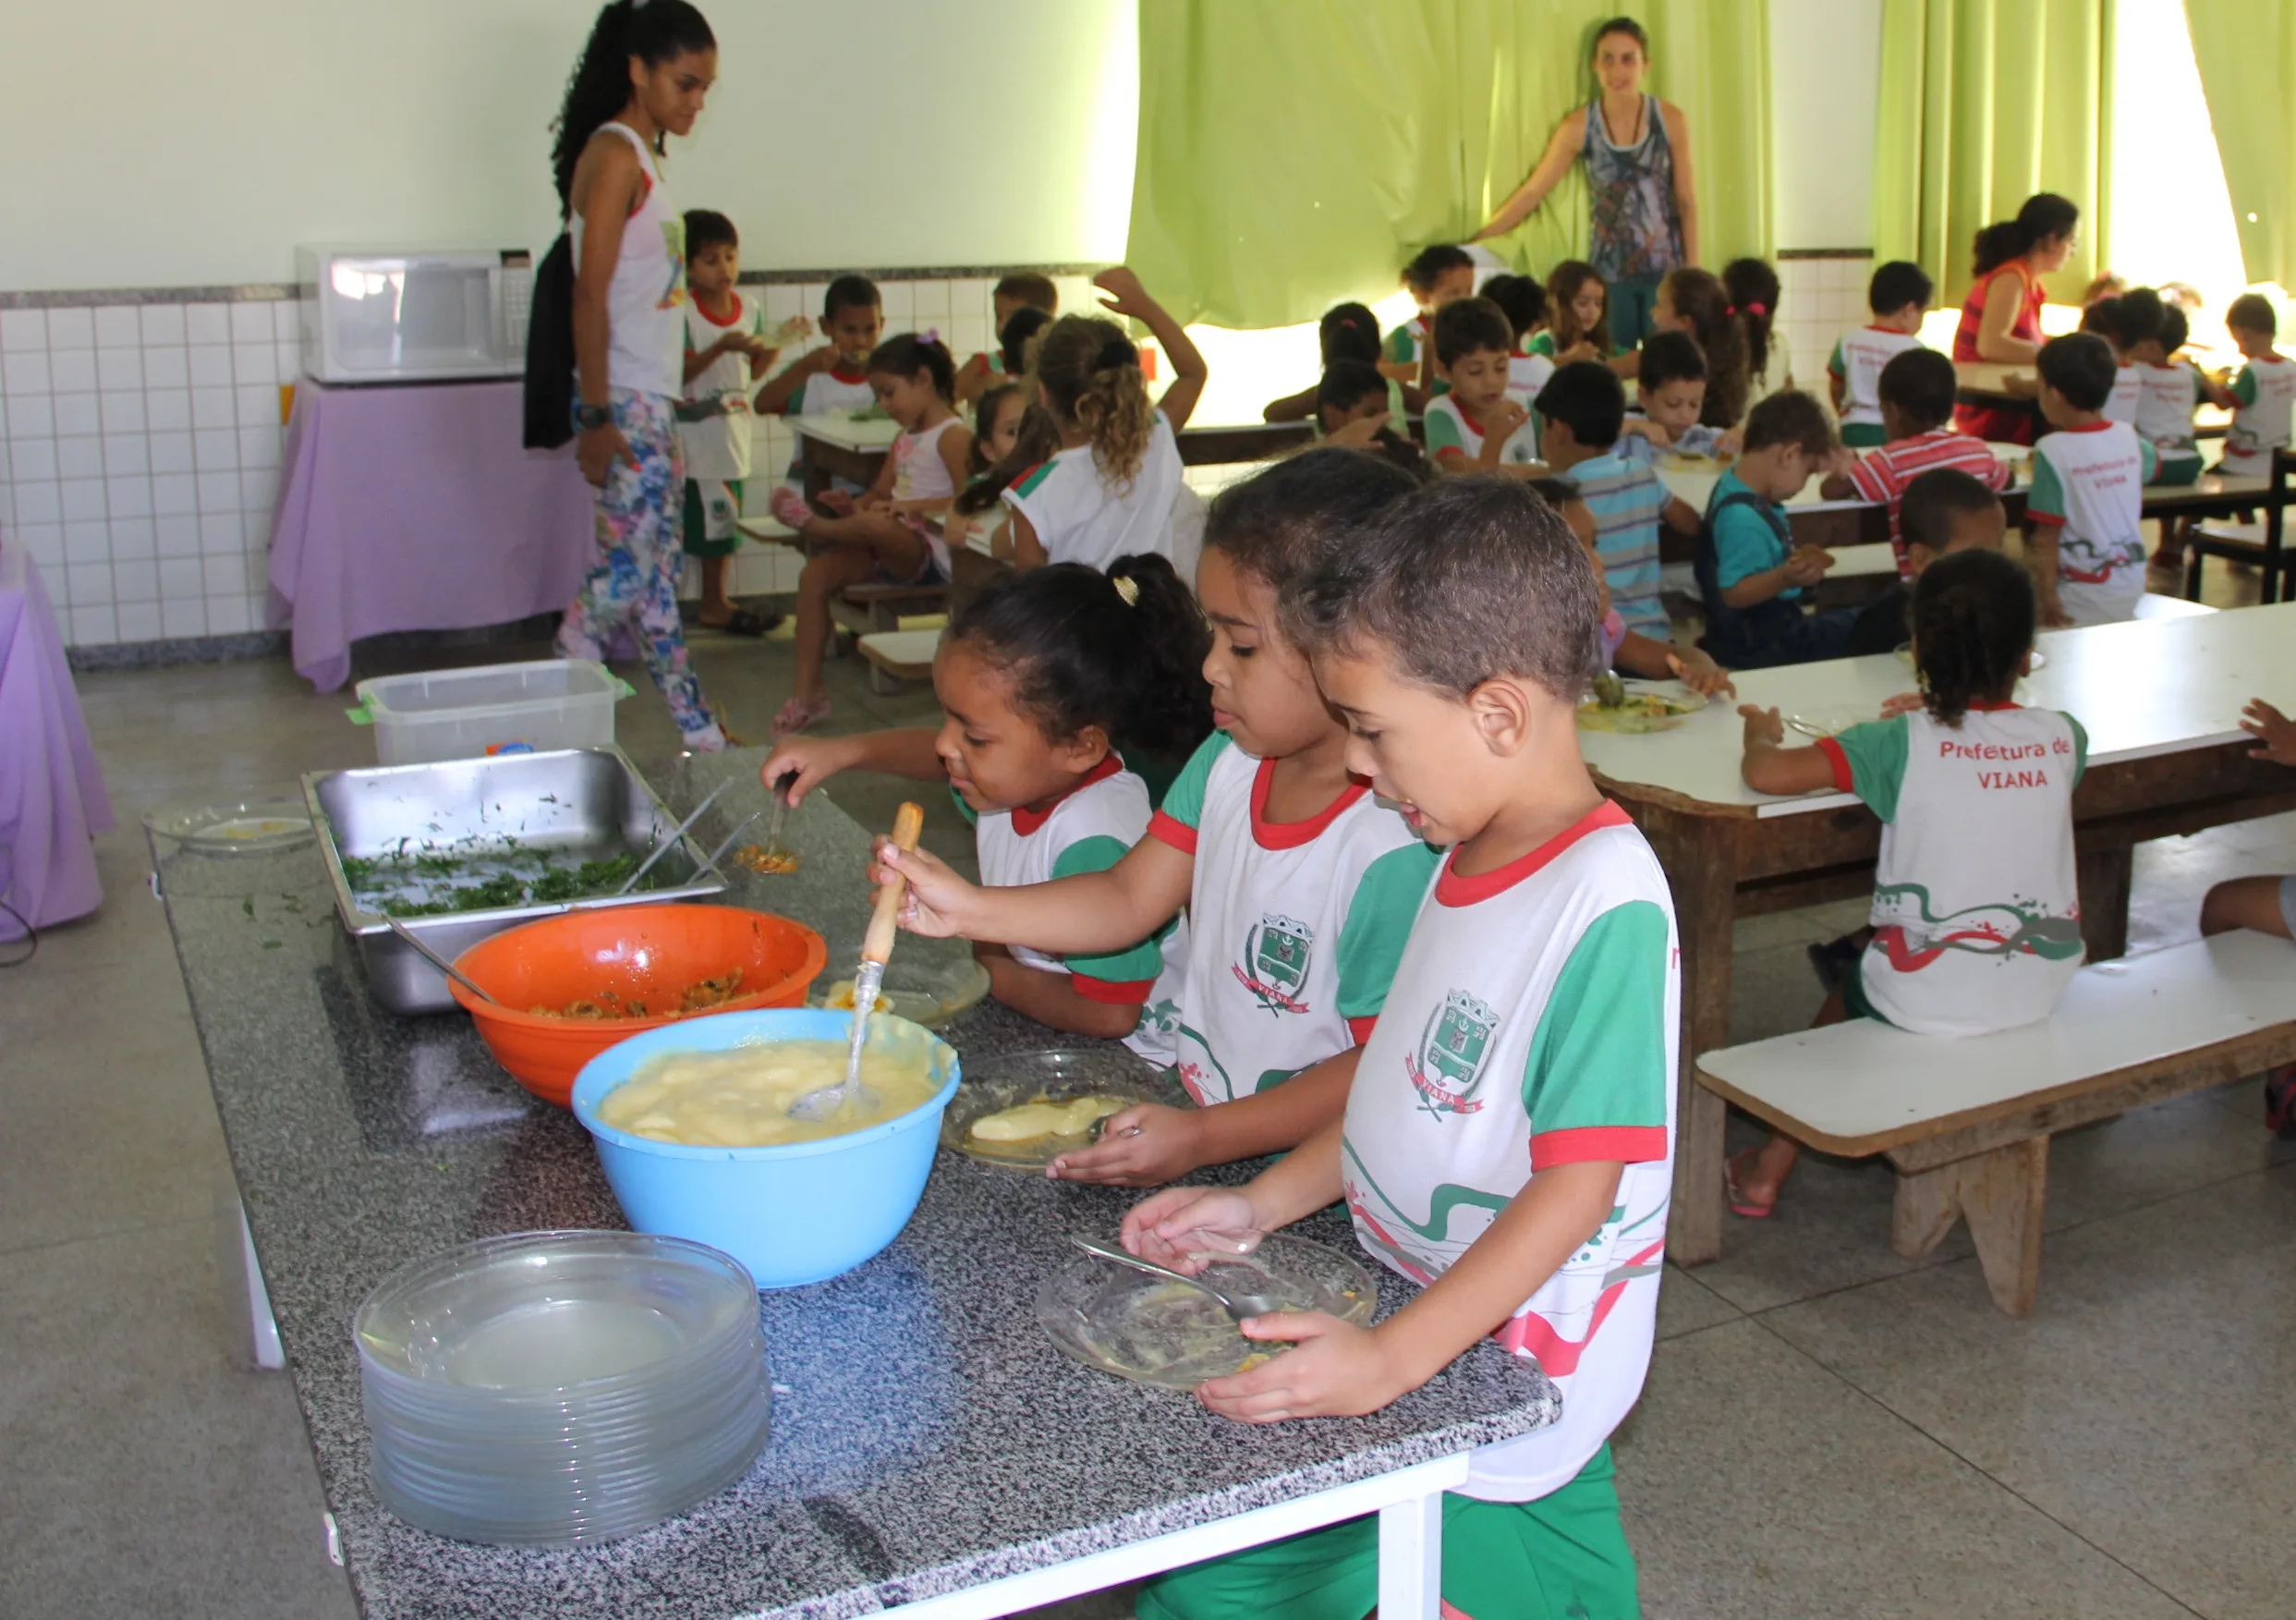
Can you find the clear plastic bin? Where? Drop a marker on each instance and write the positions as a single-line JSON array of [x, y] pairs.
[[494, 709]]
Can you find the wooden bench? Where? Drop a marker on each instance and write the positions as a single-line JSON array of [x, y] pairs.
[[895, 656], [1967, 1122]]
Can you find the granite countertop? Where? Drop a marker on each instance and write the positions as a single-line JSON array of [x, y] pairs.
[[926, 1435]]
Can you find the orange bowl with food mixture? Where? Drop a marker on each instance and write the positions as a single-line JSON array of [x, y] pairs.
[[572, 985]]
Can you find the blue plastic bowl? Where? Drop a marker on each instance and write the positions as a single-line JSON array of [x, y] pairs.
[[793, 1215]]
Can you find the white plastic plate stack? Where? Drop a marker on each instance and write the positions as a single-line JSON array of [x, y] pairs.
[[548, 1388]]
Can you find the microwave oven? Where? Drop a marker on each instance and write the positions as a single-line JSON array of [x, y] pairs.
[[382, 315]]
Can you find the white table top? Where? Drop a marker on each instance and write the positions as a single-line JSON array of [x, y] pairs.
[[835, 428], [2169, 682], [1854, 562]]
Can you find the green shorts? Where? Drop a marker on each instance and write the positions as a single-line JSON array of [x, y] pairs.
[[697, 522], [1862, 436], [2177, 469], [1562, 1557]]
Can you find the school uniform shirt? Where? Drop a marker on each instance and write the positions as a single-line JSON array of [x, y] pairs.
[[2166, 396], [1532, 1025], [2120, 405], [1697, 439], [1526, 374], [2266, 395], [1093, 827], [1857, 360], [1744, 542], [1972, 934], [1081, 517], [2090, 482], [1293, 927], [717, 448], [1450, 429], [1407, 341], [1882, 473], [835, 389], [1627, 500]]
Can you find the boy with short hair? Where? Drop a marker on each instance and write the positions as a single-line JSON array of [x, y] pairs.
[[1899, 296], [1523, 302], [1351, 408], [1477, 426], [1670, 387], [1582, 410], [1024, 290], [724, 340], [833, 377], [1439, 276], [1751, 574], [1516, 1095], [1942, 511], [2262, 398], [1916, 391], [2087, 502]]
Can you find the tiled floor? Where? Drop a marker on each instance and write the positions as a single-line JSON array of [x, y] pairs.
[[1829, 1430]]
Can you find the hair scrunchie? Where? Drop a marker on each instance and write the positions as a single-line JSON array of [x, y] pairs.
[[1127, 588], [1116, 351]]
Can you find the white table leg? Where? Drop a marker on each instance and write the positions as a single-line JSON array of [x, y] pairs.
[[1411, 1558], [263, 1329]]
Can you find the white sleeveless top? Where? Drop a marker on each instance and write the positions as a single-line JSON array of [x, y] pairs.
[[919, 474], [645, 305]]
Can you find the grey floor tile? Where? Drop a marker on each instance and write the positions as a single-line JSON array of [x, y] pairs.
[[1756, 1485], [1688, 1306], [2157, 1153]]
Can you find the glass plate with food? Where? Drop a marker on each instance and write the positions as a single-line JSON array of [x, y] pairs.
[[1631, 711], [921, 989], [239, 826], [1022, 1110]]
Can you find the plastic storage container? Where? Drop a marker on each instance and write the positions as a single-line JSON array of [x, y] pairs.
[[494, 709]]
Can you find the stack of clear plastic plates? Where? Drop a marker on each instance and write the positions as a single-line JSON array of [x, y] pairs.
[[555, 1388]]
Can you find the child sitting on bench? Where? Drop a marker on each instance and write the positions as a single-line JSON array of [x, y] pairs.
[[2265, 904]]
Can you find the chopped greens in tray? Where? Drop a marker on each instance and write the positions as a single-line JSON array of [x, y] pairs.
[[426, 879]]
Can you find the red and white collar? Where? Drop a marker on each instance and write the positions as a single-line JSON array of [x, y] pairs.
[[1026, 820], [1452, 889]]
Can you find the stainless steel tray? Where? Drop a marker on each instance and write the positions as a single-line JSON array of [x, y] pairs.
[[579, 803]]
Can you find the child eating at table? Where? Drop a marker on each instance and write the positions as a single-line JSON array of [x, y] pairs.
[[833, 377], [2169, 391], [1042, 679], [1916, 390], [1669, 389], [1024, 290], [1435, 277], [2261, 396], [1751, 574], [1001, 422], [1582, 411], [1578, 324], [724, 338], [1942, 511], [1477, 426], [1972, 934], [1508, 1138], [1351, 408], [1299, 884], [1523, 302], [2124, 321], [2265, 904], [1899, 296], [1622, 649], [1694, 301], [2087, 500], [1347, 332]]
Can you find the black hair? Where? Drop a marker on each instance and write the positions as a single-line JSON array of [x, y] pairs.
[[848, 292], [1468, 579], [1348, 332], [2081, 366], [1620, 25], [1790, 417], [1346, 384], [1753, 291], [986, 405], [1926, 510], [1432, 264], [1671, 357], [1699, 297], [705, 228], [1521, 299], [2176, 329], [660, 31], [2253, 313], [1556, 491], [1973, 619], [2044, 215], [1564, 283], [1898, 284], [1037, 442], [1273, 525], [2127, 320], [1464, 326], [1081, 651], [1034, 291], [1586, 397], [1921, 383], [1013, 340], [911, 352]]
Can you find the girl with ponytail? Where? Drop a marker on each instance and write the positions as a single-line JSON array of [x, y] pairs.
[[1111, 487], [2002, 317], [1695, 302]]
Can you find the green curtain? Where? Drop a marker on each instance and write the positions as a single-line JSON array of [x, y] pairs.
[[1983, 104], [2246, 50], [1294, 153]]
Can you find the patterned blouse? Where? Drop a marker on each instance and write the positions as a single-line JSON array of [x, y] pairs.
[[1636, 231]]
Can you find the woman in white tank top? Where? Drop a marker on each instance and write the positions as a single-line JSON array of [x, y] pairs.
[[642, 77]]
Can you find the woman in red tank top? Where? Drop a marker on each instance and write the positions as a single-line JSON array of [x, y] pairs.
[[2001, 318]]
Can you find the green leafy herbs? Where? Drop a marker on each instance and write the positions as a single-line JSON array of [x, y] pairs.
[[428, 880]]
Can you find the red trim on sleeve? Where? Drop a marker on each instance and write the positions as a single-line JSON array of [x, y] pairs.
[[1361, 1027], [1114, 992], [1450, 452], [1169, 830], [2039, 517], [1452, 889], [1597, 1144], [1831, 748]]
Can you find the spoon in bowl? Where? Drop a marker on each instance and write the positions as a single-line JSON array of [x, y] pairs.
[[1242, 1307]]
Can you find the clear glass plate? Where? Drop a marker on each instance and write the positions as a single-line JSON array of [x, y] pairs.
[[1055, 1076], [247, 826], [922, 993]]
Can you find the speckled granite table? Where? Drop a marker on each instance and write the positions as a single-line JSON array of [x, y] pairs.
[[927, 1440]]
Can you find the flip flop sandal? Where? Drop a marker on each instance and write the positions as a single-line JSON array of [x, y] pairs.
[[1739, 1203], [797, 714], [2279, 1103]]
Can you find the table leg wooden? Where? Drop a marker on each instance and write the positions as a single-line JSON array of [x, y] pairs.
[[1700, 855], [2103, 875]]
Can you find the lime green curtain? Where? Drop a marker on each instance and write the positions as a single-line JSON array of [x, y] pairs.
[[2246, 50], [1983, 104], [1294, 153]]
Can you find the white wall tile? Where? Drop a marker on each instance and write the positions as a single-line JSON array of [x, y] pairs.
[[213, 407], [44, 542], [170, 451], [221, 577], [119, 368], [257, 574], [88, 584], [180, 577], [133, 542], [122, 412], [255, 532], [175, 494], [80, 457], [228, 615], [781, 304], [899, 301], [210, 365], [285, 317], [219, 492], [288, 360], [259, 446], [930, 301], [126, 452], [72, 370], [31, 415], [207, 322], [167, 368], [163, 324], [250, 322], [23, 330], [75, 413], [70, 328], [167, 410], [222, 533], [116, 327], [38, 501], [25, 372], [216, 449], [127, 497], [138, 620], [94, 627], [255, 362], [258, 489], [175, 535], [88, 540], [257, 403], [30, 459], [181, 617], [83, 497]]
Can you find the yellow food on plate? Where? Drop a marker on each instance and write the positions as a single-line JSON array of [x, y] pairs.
[[766, 862], [740, 1097], [1642, 712], [1030, 1121]]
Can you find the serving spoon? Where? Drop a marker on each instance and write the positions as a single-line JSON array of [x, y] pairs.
[[823, 1101]]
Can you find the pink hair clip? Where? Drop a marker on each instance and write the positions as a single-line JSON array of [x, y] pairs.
[[932, 335]]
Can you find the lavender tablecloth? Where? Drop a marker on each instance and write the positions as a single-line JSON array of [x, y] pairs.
[[415, 507], [51, 798]]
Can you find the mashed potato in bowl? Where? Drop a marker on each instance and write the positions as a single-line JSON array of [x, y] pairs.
[[740, 1097]]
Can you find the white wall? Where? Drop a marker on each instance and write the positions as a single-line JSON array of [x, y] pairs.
[[1825, 77], [192, 144]]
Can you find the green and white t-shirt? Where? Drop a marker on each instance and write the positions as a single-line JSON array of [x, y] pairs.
[[2166, 396], [718, 447], [1526, 374], [1091, 828], [2265, 390], [2090, 482], [1972, 934], [1453, 434], [835, 389], [1857, 360], [1293, 927], [1533, 1023], [2121, 403], [1080, 516], [1405, 341]]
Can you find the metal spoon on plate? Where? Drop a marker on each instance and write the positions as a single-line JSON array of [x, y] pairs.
[[1242, 1307]]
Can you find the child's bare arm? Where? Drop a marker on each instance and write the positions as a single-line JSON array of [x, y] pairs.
[[1292, 407], [812, 761], [1149, 1145], [1128, 297], [1771, 767], [1089, 914], [1681, 516], [956, 454], [1027, 550], [774, 397], [1052, 999], [1838, 386], [2041, 557], [1655, 660]]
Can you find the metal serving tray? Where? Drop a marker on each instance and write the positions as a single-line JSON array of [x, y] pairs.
[[583, 804]]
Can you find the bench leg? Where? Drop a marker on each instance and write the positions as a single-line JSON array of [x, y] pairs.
[[882, 683], [2000, 1194]]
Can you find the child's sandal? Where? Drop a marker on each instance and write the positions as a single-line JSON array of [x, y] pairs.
[[1739, 1203]]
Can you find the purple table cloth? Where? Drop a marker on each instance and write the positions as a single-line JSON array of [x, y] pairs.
[[51, 798], [416, 507]]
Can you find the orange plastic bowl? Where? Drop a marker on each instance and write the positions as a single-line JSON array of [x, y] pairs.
[[645, 954]]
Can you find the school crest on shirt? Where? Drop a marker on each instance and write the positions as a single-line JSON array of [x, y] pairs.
[[1276, 953], [1448, 1067]]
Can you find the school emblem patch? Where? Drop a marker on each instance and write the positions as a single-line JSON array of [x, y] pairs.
[[1276, 953], [1448, 1067]]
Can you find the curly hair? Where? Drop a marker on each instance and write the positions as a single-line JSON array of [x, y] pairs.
[[1093, 384], [1973, 617]]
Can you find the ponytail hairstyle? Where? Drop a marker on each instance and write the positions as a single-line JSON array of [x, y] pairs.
[[1092, 381], [1013, 342], [912, 352], [1698, 298], [1349, 332], [1123, 650], [1564, 283], [2044, 215], [986, 409], [1753, 289], [1038, 442], [1973, 617], [651, 31]]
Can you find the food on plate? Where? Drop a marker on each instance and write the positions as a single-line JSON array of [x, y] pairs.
[[741, 1096], [1040, 1116], [765, 862], [698, 997], [1639, 711]]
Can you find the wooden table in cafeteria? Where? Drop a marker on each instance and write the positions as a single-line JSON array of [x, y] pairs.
[[2161, 699], [835, 445], [1988, 383]]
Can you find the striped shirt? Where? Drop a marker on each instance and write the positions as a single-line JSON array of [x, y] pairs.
[[1882, 474], [1627, 500]]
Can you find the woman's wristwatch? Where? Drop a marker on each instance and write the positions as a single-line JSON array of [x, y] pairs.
[[589, 417]]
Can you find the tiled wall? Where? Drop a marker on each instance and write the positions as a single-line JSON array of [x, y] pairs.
[[1819, 300]]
